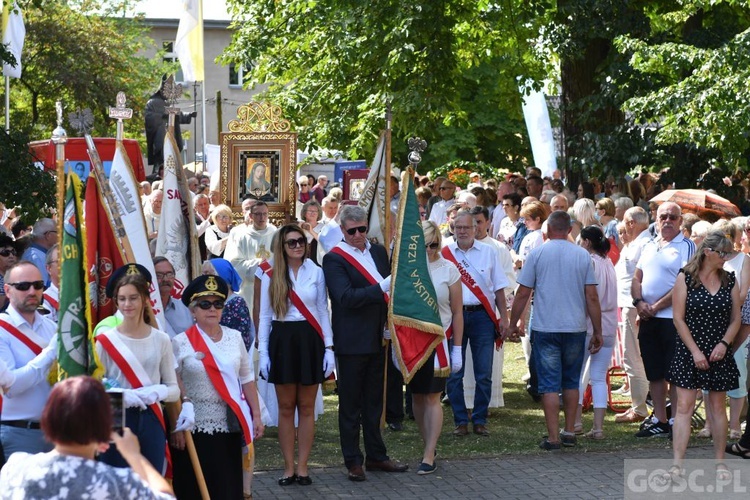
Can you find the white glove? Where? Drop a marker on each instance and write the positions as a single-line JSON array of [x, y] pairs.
[[7, 377], [186, 420], [456, 362], [152, 393], [387, 334], [131, 399], [394, 358], [385, 285], [264, 364], [329, 363]]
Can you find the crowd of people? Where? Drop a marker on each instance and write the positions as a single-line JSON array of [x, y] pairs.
[[575, 275]]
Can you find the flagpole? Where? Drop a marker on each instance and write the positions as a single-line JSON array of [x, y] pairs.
[[203, 112], [7, 104], [59, 138], [387, 238]]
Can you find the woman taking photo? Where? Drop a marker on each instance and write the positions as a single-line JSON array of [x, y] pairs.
[[217, 234], [216, 375], [295, 344], [311, 214], [138, 358], [429, 381], [706, 301], [595, 365], [77, 420]]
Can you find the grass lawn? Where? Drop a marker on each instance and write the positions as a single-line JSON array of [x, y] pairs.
[[515, 429]]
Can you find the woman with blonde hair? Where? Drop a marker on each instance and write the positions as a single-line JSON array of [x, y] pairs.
[[295, 344], [534, 214], [605, 214], [583, 215], [706, 302]]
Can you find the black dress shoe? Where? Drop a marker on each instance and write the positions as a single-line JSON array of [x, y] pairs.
[[286, 481], [387, 466], [356, 473], [304, 480], [396, 426]]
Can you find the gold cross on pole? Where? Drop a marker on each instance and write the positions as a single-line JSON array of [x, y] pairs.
[[120, 113]]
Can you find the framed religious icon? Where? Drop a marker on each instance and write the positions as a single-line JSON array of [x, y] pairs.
[[258, 161]]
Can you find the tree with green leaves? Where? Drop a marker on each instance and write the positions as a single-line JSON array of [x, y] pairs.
[[449, 68]]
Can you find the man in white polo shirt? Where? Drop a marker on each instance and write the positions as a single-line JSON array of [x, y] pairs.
[[655, 275], [28, 348], [483, 281]]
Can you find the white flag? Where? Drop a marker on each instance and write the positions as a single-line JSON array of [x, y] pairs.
[[189, 41], [538, 124], [373, 194], [176, 239], [123, 186], [13, 34]]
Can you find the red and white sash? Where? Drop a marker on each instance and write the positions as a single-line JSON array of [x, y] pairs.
[[224, 380], [442, 355], [134, 373], [28, 337], [365, 268], [301, 307], [471, 284], [52, 301]]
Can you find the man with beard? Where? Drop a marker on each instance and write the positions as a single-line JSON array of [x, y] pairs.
[[28, 348]]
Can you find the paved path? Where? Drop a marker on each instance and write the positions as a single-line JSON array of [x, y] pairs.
[[567, 474]]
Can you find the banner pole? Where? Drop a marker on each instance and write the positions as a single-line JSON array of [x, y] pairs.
[[7, 104]]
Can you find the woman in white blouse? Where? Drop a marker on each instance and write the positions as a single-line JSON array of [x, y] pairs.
[[147, 352], [225, 400], [295, 344], [217, 234]]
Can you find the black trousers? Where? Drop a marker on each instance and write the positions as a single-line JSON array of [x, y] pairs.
[[360, 384], [394, 393]]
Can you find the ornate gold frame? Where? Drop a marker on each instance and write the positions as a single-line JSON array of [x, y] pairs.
[[259, 130]]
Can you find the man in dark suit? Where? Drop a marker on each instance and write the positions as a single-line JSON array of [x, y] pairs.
[[357, 275]]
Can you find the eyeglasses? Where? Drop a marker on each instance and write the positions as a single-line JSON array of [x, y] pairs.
[[721, 254], [207, 304], [463, 228], [664, 217], [506, 205], [7, 251], [353, 230], [162, 276], [303, 185], [223, 217], [433, 246], [299, 242], [25, 285]]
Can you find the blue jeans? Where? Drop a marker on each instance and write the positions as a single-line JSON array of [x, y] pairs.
[[479, 331], [27, 440], [558, 359], [151, 437]]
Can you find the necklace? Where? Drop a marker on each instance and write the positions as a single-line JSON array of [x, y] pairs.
[[216, 337]]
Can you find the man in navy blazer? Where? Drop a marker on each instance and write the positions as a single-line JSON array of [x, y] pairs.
[[357, 275]]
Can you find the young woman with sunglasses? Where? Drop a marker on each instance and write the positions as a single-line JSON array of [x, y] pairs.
[[139, 358], [295, 344], [224, 400]]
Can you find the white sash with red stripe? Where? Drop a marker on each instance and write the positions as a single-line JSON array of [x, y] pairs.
[[223, 378], [300, 305], [470, 283], [52, 301], [27, 337], [365, 268], [133, 371], [442, 355]]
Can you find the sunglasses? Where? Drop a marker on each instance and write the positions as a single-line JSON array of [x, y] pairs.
[[25, 285], [299, 242], [668, 216], [434, 245], [721, 254], [7, 251], [353, 230], [206, 304]]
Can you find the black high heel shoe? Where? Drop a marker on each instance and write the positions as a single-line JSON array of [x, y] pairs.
[[286, 481]]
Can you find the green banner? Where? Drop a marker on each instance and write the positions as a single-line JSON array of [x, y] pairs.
[[75, 354], [414, 318]]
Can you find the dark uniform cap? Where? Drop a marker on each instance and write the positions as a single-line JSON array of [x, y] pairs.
[[206, 285], [120, 272]]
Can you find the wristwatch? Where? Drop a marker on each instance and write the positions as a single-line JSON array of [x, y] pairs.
[[636, 301]]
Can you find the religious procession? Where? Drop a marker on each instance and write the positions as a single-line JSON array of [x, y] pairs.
[[175, 329]]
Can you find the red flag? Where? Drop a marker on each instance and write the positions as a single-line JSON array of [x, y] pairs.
[[102, 249]]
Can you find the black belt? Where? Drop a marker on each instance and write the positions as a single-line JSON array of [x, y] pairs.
[[478, 307], [21, 424]]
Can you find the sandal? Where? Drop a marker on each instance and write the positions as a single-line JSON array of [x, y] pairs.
[[704, 433], [738, 451], [578, 429], [723, 473], [594, 434], [734, 435], [673, 473]]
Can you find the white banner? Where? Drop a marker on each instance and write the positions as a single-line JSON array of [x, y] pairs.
[[536, 115], [373, 194], [123, 186]]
